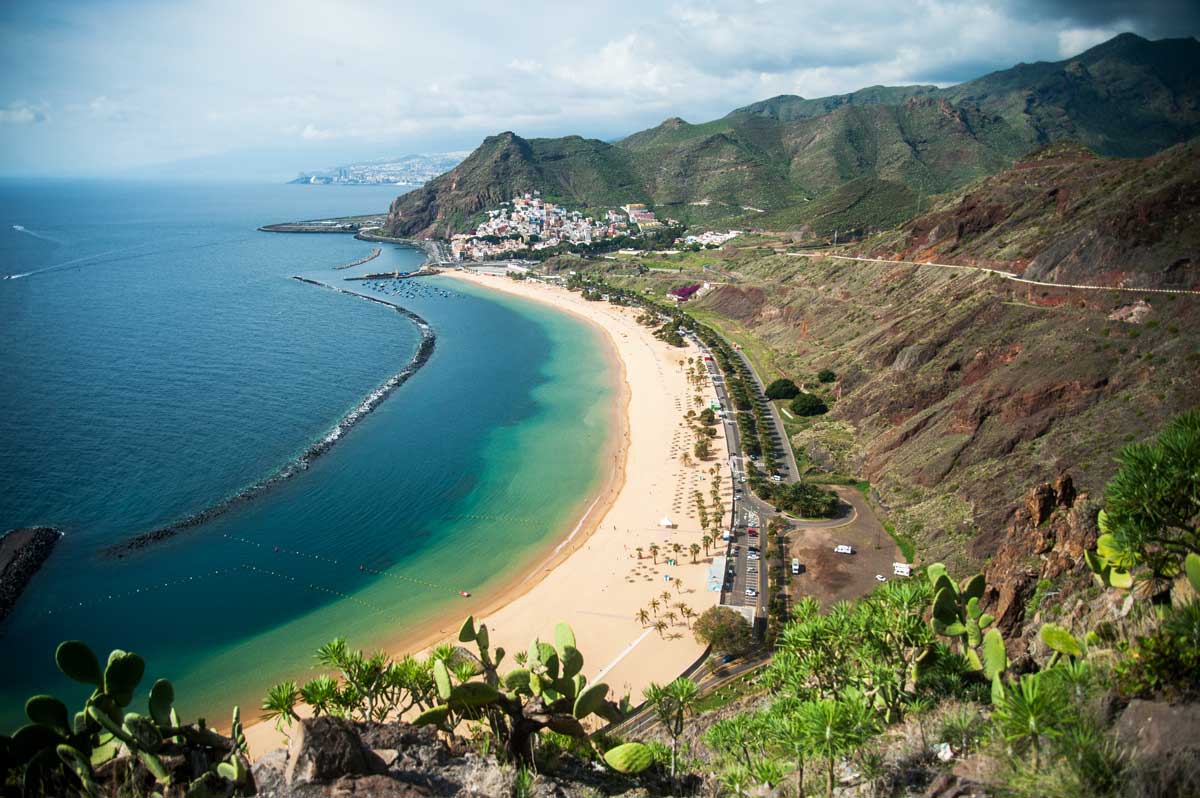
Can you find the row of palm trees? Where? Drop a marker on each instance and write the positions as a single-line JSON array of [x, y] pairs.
[[662, 613], [676, 549]]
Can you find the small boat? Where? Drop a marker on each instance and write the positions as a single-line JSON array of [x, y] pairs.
[[464, 594]]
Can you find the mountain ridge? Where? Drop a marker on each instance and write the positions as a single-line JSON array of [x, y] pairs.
[[764, 164]]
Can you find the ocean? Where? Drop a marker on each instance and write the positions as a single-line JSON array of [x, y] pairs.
[[156, 358]]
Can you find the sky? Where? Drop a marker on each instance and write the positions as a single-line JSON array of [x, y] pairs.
[[259, 89]]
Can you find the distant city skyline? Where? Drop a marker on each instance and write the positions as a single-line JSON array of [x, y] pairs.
[[265, 90]]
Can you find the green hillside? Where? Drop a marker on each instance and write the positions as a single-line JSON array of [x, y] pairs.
[[851, 161]]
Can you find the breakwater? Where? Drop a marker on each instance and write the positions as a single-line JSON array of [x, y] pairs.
[[22, 553], [338, 224], [424, 271], [374, 254], [301, 462]]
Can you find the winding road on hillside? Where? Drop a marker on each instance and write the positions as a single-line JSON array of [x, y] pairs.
[[998, 272]]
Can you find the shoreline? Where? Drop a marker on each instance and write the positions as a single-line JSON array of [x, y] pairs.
[[592, 568]]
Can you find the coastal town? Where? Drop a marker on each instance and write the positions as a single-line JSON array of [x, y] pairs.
[[529, 223]]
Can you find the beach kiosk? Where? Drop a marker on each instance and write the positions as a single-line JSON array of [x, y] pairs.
[[666, 522]]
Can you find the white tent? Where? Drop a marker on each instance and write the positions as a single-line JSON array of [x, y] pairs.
[[666, 522]]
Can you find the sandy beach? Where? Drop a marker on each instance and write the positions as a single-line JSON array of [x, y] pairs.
[[594, 578]]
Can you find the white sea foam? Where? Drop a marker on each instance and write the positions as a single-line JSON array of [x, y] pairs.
[[20, 228]]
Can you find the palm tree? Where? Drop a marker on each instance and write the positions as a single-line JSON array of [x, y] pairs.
[[707, 540], [660, 626], [643, 617], [639, 552], [665, 596], [654, 605], [833, 728], [688, 613], [671, 704], [654, 552], [670, 617], [1030, 713], [280, 704], [695, 550], [678, 586]]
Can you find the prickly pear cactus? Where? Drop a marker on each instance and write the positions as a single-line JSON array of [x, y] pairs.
[[629, 758]]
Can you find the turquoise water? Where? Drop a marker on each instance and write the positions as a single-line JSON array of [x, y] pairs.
[[158, 358]]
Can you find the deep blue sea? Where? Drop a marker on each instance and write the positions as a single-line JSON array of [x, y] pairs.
[[156, 358]]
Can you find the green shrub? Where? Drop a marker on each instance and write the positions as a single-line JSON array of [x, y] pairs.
[[825, 375], [805, 500], [1167, 661], [782, 388], [807, 404], [726, 630]]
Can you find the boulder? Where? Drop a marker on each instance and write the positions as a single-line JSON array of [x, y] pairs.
[[322, 750], [1165, 743]]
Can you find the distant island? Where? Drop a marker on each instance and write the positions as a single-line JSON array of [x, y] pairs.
[[405, 170]]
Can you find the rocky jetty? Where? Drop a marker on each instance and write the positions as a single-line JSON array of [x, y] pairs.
[[22, 552]]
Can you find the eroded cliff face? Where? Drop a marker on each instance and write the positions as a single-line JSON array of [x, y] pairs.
[[957, 392], [1066, 216], [1044, 543]]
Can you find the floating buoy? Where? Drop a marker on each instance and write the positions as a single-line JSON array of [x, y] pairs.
[[276, 548]]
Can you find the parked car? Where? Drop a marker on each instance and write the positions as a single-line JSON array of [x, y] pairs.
[[776, 478], [880, 578], [752, 532], [752, 555], [751, 592], [795, 565], [843, 549]]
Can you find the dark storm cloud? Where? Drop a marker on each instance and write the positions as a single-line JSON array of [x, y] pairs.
[[1155, 18]]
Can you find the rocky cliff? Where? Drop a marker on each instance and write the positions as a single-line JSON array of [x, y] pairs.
[[1067, 216], [329, 756]]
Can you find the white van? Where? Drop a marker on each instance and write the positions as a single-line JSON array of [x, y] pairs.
[[795, 565], [843, 550]]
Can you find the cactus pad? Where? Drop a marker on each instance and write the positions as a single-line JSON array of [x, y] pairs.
[[629, 758], [78, 662]]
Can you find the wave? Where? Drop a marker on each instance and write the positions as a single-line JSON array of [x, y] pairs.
[[302, 462], [76, 261], [94, 260], [20, 228]]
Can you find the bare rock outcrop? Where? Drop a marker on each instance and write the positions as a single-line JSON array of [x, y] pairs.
[[330, 756], [1046, 539]]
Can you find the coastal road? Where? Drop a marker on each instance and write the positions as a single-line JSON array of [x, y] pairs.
[[998, 272], [711, 674], [747, 512], [791, 473]]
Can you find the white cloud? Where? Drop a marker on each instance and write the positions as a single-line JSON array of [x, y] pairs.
[[22, 113], [1074, 41], [214, 75]]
